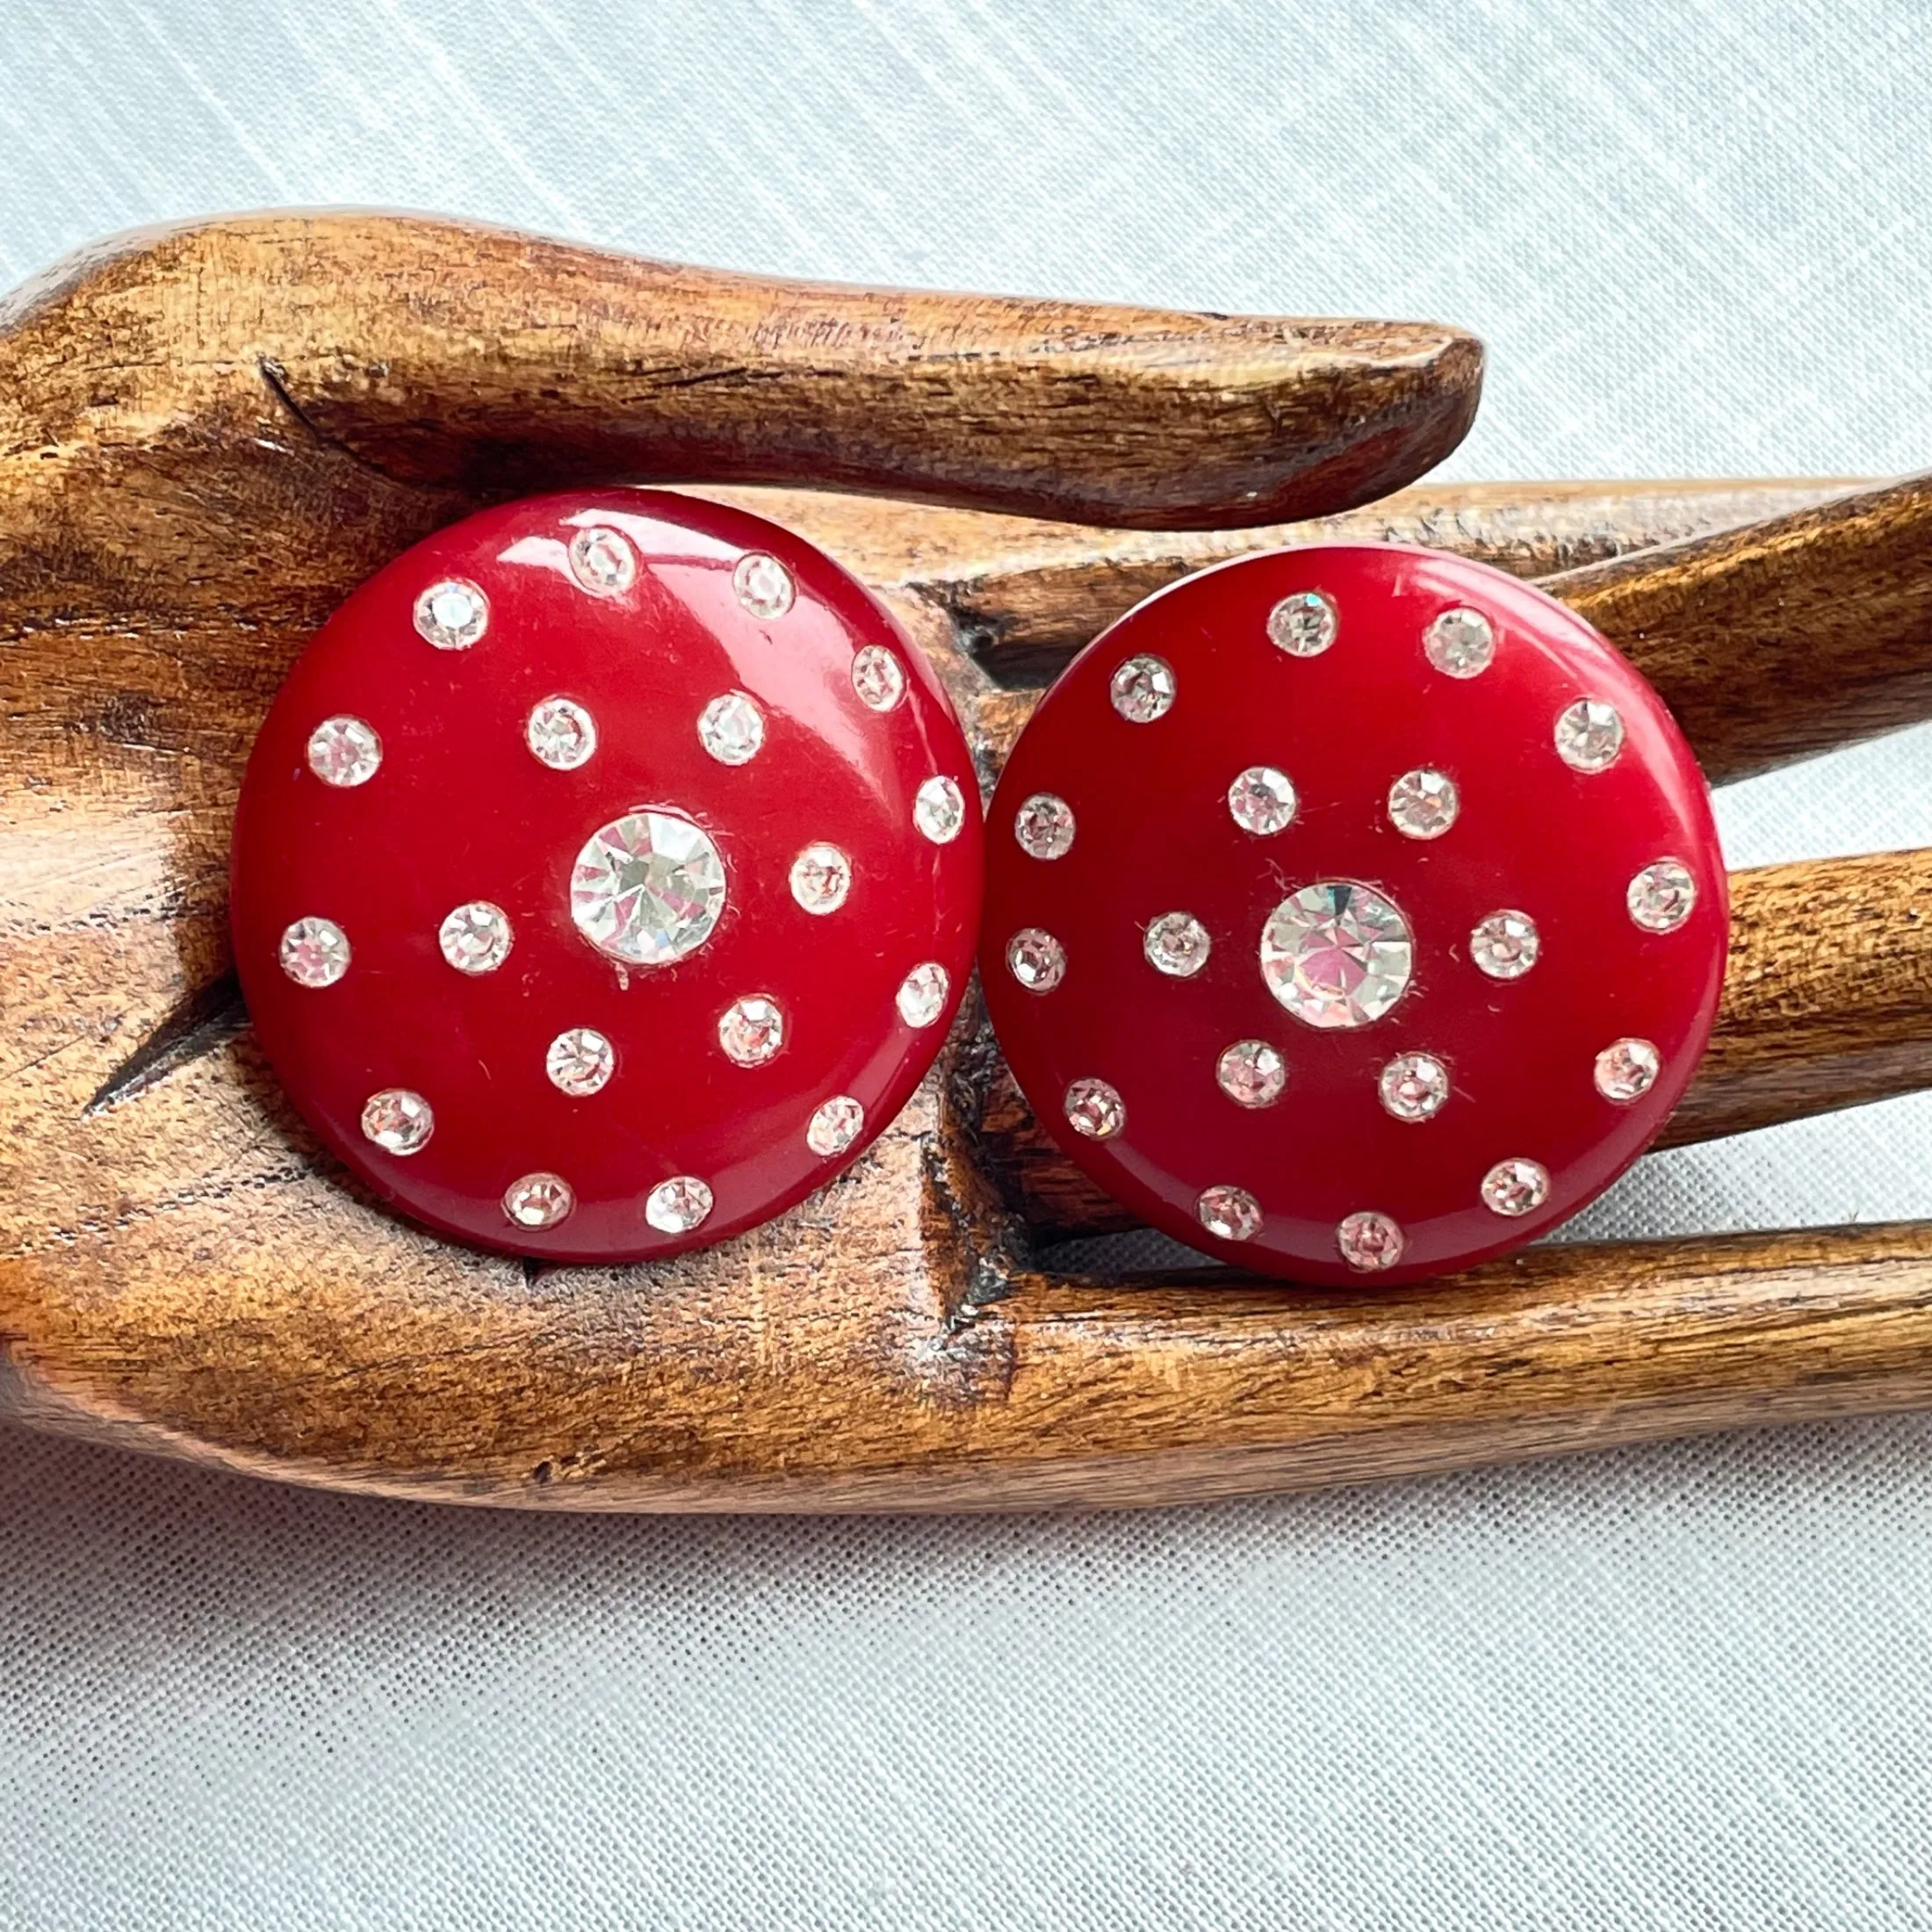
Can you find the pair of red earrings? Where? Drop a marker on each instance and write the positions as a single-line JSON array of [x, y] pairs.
[[609, 871]]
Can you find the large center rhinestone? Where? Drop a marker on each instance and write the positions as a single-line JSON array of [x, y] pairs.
[[647, 887], [1336, 954]]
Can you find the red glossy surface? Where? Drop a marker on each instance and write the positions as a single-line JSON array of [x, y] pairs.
[[1154, 834], [460, 808]]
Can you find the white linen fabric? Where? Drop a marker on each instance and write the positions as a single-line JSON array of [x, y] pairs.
[[1686, 1686]]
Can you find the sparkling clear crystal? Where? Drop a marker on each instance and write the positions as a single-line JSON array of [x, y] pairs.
[[1044, 827], [939, 810], [476, 938], [1177, 944], [398, 1120], [878, 677], [1460, 643], [763, 585], [676, 1206], [452, 615], [1662, 896], [1304, 625], [1588, 735], [603, 561], [1516, 1187], [561, 733], [1423, 803], [539, 1201], [647, 887], [1252, 1073], [1142, 689], [1262, 800], [835, 1126], [1337, 954], [314, 952], [1505, 945], [1626, 1070], [1036, 959], [922, 994], [1232, 1213], [343, 751], [820, 878], [1094, 1109], [1369, 1241], [1414, 1087], [751, 1029], [732, 729], [580, 1062]]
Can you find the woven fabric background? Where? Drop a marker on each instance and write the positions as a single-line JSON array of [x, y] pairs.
[[1689, 1686]]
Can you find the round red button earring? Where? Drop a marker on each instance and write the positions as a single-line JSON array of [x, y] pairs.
[[1354, 913], [606, 875]]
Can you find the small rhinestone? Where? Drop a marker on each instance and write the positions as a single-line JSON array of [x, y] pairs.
[[1505, 945], [1232, 1213], [763, 585], [1423, 803], [878, 677], [580, 1062], [732, 729], [1262, 800], [539, 1201], [343, 751], [1177, 944], [1044, 827], [1370, 1242], [1460, 644], [1303, 626], [475, 938], [835, 1126], [1095, 1109], [1662, 896], [939, 810], [560, 733], [1036, 959], [1142, 690], [1414, 1087], [820, 878], [398, 1120], [922, 994], [751, 1029], [1626, 1070], [1252, 1073], [1516, 1187], [452, 615], [314, 952], [602, 562], [676, 1206], [1590, 735]]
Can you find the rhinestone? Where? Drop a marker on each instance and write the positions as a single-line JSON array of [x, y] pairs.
[[452, 615], [1095, 1109], [1232, 1213], [835, 1126], [1626, 1070], [878, 677], [561, 733], [1044, 827], [1177, 944], [1414, 1087], [1370, 1242], [1252, 1073], [343, 751], [1460, 644], [1516, 1187], [1304, 625], [939, 810], [922, 994], [476, 938], [751, 1029], [398, 1120], [602, 562], [1505, 945], [1142, 690], [820, 878], [1336, 954], [647, 887], [732, 729], [1036, 959], [1423, 803], [1262, 800], [1661, 896], [539, 1201], [1588, 735], [763, 585], [314, 952], [580, 1062], [676, 1206]]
